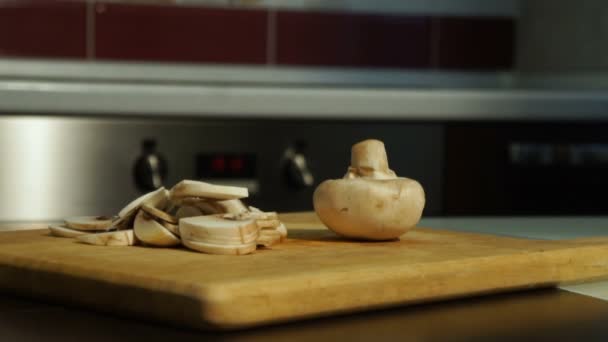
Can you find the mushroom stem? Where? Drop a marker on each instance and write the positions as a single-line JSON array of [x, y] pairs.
[[368, 160]]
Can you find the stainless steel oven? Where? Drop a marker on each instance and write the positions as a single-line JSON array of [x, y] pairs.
[[55, 166], [523, 168]]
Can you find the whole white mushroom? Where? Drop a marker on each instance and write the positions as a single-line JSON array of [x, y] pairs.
[[370, 202]]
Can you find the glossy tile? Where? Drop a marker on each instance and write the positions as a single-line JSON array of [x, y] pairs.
[[352, 40], [45, 29], [169, 33], [475, 43]]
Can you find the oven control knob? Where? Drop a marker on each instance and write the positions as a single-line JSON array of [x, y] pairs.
[[150, 169], [297, 170]]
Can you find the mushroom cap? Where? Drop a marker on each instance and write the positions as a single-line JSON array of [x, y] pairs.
[[369, 209]]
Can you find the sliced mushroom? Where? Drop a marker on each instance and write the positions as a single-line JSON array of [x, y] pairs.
[[263, 214], [204, 206], [234, 206], [268, 238], [210, 248], [209, 207], [157, 198], [124, 222], [266, 222], [89, 222], [171, 208], [204, 217], [370, 202], [118, 238], [282, 229], [190, 188], [63, 231], [158, 214], [202, 236], [263, 224], [217, 230], [150, 232], [188, 211], [173, 228], [268, 216]]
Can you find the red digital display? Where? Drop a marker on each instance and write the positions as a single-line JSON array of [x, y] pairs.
[[237, 164], [225, 165], [218, 164]]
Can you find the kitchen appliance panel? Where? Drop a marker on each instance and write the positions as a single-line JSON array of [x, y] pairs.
[[58, 166], [526, 168]]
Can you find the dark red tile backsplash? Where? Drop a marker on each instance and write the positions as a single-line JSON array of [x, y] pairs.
[[353, 40], [167, 32], [476, 43], [47, 29], [180, 34]]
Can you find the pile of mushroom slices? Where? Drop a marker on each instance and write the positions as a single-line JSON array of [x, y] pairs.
[[201, 216]]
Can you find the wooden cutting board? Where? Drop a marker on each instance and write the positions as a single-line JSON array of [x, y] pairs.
[[314, 273]]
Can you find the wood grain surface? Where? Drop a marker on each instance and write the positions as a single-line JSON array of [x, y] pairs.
[[313, 273]]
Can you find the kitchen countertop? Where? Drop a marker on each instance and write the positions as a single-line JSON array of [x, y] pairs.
[[531, 315], [549, 228], [539, 315]]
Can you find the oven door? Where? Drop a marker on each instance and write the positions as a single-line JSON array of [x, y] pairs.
[[526, 168]]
